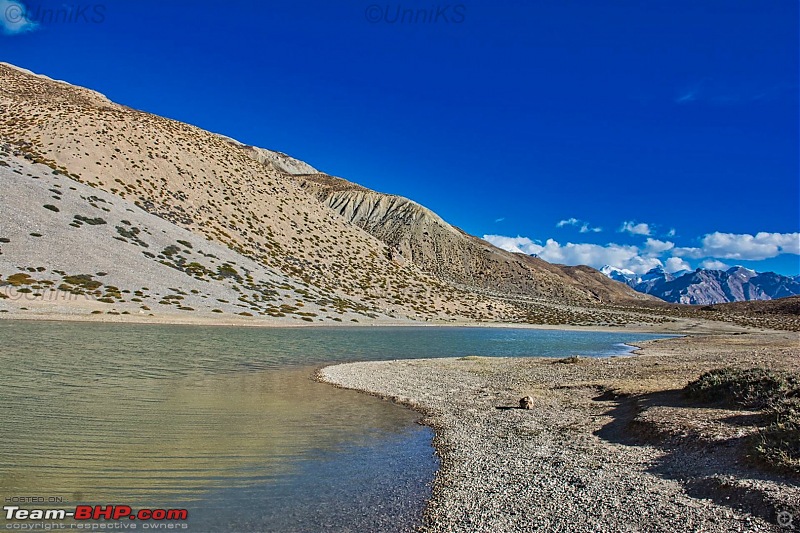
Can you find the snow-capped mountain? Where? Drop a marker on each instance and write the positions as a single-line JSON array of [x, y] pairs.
[[628, 277], [705, 287]]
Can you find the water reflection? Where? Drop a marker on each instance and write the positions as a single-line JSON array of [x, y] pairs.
[[228, 419]]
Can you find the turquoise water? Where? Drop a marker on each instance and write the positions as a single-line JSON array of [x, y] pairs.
[[228, 422]]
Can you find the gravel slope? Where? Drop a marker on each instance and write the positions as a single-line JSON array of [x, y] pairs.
[[582, 458]]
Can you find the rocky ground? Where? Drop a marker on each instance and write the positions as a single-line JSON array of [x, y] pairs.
[[610, 444]]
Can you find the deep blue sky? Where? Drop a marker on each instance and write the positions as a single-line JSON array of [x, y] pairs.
[[503, 117]]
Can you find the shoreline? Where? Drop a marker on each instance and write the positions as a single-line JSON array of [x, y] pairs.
[[681, 326], [610, 444]]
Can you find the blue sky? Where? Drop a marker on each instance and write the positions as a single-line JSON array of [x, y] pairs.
[[588, 131]]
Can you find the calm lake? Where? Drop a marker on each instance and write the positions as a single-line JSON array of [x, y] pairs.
[[228, 423]]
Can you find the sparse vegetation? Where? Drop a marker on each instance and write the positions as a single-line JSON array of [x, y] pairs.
[[80, 281], [752, 388], [16, 280], [96, 221], [775, 393]]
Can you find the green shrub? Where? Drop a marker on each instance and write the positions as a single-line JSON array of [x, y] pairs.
[[83, 280], [778, 444], [19, 279], [753, 388], [91, 221], [170, 250], [227, 271], [776, 393]]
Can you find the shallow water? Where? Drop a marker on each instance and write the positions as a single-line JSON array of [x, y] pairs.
[[227, 421]]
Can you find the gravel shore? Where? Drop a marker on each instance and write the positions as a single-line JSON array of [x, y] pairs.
[[610, 444]]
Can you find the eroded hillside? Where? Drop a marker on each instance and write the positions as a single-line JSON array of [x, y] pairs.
[[416, 234]]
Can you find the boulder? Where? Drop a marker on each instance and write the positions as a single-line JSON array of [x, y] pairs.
[[526, 402]]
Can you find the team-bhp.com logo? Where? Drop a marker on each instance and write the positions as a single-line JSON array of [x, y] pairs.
[[95, 512]]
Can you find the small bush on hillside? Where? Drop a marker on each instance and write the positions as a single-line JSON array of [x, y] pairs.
[[776, 393], [753, 388], [91, 221]]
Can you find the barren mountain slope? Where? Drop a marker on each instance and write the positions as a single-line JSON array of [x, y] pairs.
[[415, 233], [213, 187], [68, 248]]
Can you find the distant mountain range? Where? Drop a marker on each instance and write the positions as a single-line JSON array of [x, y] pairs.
[[704, 287]]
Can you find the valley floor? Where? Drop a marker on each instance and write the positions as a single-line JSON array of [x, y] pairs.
[[610, 444]]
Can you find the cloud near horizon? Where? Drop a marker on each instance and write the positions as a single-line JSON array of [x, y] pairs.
[[744, 246], [14, 18], [714, 264], [594, 255], [654, 252]]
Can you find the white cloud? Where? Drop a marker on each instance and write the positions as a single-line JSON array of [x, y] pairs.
[[692, 253], [655, 252], [657, 247], [674, 264], [14, 18], [743, 246], [671, 232], [499, 219], [568, 222], [520, 245], [713, 264], [594, 255], [641, 265], [635, 229], [585, 227]]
